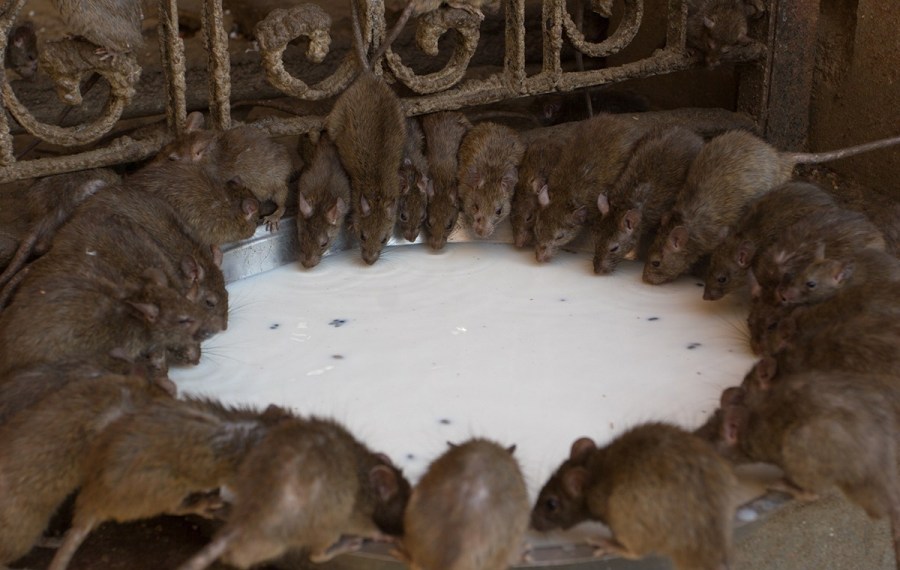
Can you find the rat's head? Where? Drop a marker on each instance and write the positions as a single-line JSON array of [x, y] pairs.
[[727, 268], [759, 379], [373, 223], [413, 201], [318, 224], [173, 320], [195, 145], [562, 502], [391, 492], [817, 282], [724, 28], [485, 191], [669, 255], [556, 223], [22, 51], [205, 287], [616, 236], [441, 213]]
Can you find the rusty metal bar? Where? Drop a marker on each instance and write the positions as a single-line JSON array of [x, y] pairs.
[[171, 48], [216, 38], [514, 62], [676, 32]]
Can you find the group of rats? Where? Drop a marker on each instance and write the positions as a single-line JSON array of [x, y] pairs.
[[107, 281]]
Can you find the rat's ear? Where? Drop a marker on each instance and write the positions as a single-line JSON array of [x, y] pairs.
[[217, 255], [574, 481], [192, 270], [543, 196], [404, 184], [603, 204], [581, 447], [766, 369], [732, 396], [156, 276], [843, 271], [508, 182], [422, 184], [148, 311], [199, 148], [384, 481], [364, 207], [579, 216], [630, 220], [194, 122], [744, 254], [733, 419], [677, 238], [755, 287], [429, 189], [708, 22], [304, 206]]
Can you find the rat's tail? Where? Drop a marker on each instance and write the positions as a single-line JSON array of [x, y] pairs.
[[817, 157]]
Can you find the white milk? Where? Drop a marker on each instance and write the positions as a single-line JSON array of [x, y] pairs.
[[478, 340]]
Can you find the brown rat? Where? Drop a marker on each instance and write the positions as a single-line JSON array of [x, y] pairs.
[[730, 171], [631, 211], [413, 182], [150, 462], [114, 25], [489, 158], [308, 483], [444, 132], [827, 429], [243, 153], [715, 27], [757, 228], [43, 451], [468, 511], [658, 488], [23, 387], [543, 149], [323, 202], [22, 50], [590, 164]]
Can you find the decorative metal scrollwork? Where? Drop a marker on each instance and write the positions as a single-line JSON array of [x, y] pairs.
[[624, 34]]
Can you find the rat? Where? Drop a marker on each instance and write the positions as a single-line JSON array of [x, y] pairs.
[[23, 387], [591, 163], [489, 158], [715, 27], [556, 108], [444, 132], [840, 231], [757, 228], [150, 462], [827, 429], [732, 170], [22, 50], [544, 147], [308, 483], [368, 126], [828, 274], [243, 153], [113, 25], [43, 451], [323, 201], [660, 490], [413, 182], [469, 510], [109, 322], [632, 209], [68, 192]]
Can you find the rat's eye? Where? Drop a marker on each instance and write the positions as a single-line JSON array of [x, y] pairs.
[[384, 240], [185, 321], [404, 217], [529, 217], [655, 263], [211, 301], [363, 237], [475, 208], [811, 284], [498, 211], [429, 222], [722, 279], [323, 241], [559, 235], [614, 248], [551, 504], [449, 225]]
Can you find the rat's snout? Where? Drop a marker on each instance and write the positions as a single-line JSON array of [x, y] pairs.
[[310, 261], [521, 239], [543, 253], [411, 234], [602, 266], [712, 293], [250, 206], [436, 243], [786, 295], [370, 257]]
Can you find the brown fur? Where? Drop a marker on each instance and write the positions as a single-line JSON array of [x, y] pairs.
[[732, 169], [590, 165], [43, 452], [324, 201], [112, 24], [413, 182], [489, 158], [469, 511], [307, 483], [765, 219], [444, 133], [715, 27], [368, 127], [646, 190]]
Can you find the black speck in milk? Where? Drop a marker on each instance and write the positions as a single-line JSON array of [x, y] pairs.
[[338, 323]]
